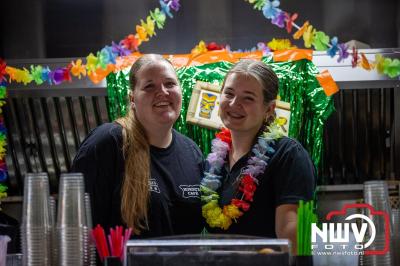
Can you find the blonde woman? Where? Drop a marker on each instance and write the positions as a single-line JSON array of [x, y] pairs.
[[139, 171], [255, 177]]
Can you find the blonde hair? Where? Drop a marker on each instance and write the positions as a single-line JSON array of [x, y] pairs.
[[136, 149], [265, 76]]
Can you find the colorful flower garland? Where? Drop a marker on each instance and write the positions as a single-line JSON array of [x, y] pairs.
[[262, 152], [117, 56], [100, 64], [311, 37], [266, 48], [97, 67], [3, 135], [322, 42]]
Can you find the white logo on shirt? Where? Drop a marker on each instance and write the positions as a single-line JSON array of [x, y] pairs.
[[154, 185], [190, 191]]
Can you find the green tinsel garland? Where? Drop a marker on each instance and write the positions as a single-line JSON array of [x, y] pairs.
[[310, 107]]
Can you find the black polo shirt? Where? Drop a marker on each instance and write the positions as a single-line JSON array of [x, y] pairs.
[[288, 178], [174, 206]]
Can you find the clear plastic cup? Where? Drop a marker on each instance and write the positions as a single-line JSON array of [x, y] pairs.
[[37, 223], [90, 257], [71, 205], [376, 194], [3, 249], [35, 209], [72, 232]]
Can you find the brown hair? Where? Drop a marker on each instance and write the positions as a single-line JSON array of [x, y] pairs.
[[136, 149], [263, 74]]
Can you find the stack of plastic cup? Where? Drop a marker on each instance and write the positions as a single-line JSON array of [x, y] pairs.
[[90, 257], [396, 236], [72, 232], [376, 194], [36, 225], [54, 244], [4, 239], [14, 259]]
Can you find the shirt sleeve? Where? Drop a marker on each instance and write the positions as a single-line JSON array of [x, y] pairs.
[[96, 160], [295, 176]]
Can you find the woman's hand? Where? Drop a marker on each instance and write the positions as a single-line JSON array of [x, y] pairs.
[[286, 224]]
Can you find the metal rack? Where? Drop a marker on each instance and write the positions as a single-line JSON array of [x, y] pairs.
[[362, 138], [46, 123]]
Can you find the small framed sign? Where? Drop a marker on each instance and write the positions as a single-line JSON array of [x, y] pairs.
[[282, 112], [204, 105]]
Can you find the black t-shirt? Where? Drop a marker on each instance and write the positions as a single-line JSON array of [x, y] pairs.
[[174, 207], [288, 178]]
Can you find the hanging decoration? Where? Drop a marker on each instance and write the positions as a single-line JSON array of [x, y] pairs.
[[3, 133], [321, 41], [280, 44], [97, 67], [266, 48], [100, 64], [115, 57], [298, 85], [328, 84]]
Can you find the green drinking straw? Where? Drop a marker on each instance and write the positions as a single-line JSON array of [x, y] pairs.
[[305, 217]]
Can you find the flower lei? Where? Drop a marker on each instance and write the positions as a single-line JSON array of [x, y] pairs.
[[262, 151]]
